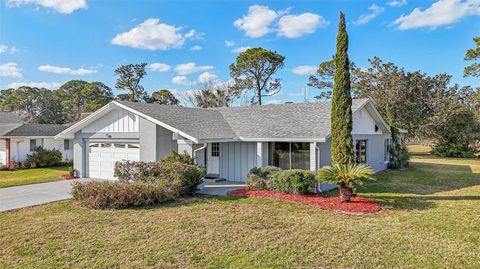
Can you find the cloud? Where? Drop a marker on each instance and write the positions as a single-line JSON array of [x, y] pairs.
[[257, 22], [5, 48], [181, 80], [365, 18], [229, 43], [293, 26], [206, 77], [440, 13], [10, 70], [46, 85], [240, 49], [274, 102], [153, 35], [159, 67], [67, 70], [62, 6], [190, 68], [397, 3], [305, 70], [196, 48]]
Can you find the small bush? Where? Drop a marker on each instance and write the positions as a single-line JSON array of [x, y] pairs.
[[177, 157], [293, 181], [175, 169], [44, 158], [457, 149], [259, 177], [119, 195]]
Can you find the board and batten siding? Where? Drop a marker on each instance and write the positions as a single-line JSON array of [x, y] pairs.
[[117, 121], [237, 158]]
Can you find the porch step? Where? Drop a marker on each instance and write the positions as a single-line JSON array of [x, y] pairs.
[[212, 178]]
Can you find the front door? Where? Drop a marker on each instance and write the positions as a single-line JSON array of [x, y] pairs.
[[213, 162]]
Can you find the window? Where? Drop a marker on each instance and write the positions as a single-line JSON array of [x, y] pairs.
[[120, 146], [361, 151], [215, 149], [288, 155], [66, 144], [386, 153], [33, 144], [133, 146]]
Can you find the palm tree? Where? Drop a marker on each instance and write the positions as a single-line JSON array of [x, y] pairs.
[[346, 177]]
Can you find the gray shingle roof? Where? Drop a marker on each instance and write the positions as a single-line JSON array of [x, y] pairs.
[[297, 120], [9, 118], [198, 122], [33, 129]]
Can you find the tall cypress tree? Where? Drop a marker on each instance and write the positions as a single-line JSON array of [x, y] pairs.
[[341, 117]]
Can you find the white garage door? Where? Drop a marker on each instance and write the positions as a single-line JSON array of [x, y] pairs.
[[103, 156], [3, 151]]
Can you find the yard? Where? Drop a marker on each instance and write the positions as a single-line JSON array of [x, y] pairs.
[[431, 220], [30, 176]]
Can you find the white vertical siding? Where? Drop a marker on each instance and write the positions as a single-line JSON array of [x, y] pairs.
[[363, 123], [313, 156], [236, 160], [117, 121]]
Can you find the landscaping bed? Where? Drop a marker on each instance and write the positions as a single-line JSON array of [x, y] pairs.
[[358, 204]]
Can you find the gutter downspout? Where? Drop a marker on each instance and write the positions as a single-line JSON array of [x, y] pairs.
[[195, 152]]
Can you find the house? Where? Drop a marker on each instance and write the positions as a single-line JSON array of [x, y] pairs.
[[228, 141], [18, 139]]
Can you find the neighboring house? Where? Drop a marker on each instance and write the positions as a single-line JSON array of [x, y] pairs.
[[228, 141], [18, 139]]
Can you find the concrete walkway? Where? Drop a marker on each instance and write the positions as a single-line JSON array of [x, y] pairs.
[[221, 188], [35, 194]]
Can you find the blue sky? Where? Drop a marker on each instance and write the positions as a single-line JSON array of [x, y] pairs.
[[46, 43]]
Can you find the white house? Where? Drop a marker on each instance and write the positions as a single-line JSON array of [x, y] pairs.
[[18, 139], [228, 141]]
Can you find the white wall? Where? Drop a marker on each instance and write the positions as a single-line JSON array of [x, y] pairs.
[[236, 160], [363, 123], [20, 147], [117, 121]]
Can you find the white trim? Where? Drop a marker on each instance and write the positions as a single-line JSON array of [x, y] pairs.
[[164, 125]]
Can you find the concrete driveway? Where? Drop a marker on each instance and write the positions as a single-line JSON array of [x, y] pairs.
[[36, 194]]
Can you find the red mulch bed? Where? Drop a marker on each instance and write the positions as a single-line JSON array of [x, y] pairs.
[[67, 177], [357, 205]]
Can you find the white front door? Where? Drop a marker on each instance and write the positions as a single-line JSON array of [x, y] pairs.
[[102, 157], [213, 158]]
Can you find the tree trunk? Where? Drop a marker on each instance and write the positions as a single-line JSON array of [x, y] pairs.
[[259, 96], [345, 193]]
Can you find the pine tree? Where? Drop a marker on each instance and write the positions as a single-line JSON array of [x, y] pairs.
[[341, 117]]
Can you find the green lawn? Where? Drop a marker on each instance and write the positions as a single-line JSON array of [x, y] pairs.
[[431, 220], [30, 176]]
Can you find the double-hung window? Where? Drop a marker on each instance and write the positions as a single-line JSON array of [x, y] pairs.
[[33, 144]]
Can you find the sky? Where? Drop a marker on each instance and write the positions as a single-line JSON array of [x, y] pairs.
[[45, 43]]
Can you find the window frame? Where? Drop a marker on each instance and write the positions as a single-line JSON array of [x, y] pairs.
[[34, 141], [66, 144], [358, 160], [215, 149]]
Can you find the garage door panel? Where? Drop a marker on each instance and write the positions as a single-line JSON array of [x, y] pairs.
[[103, 156]]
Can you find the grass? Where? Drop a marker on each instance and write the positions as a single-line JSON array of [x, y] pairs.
[[431, 220], [30, 176]]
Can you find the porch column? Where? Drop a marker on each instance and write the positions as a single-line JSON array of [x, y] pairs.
[[313, 156], [259, 154]]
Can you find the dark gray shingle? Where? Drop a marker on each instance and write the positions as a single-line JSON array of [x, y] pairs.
[[297, 120], [33, 129]]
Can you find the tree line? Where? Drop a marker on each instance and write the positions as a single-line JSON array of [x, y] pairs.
[[429, 107]]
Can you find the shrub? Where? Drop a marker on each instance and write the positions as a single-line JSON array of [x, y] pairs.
[[346, 177], [458, 149], [176, 157], [118, 195], [44, 158], [294, 181], [259, 177], [175, 169]]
